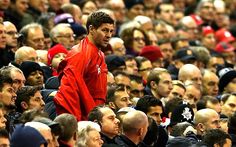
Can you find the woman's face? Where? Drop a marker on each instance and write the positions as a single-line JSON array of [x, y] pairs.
[[138, 40]]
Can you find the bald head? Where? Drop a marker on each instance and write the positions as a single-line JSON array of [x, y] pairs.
[[190, 72], [134, 120], [203, 115], [25, 53]]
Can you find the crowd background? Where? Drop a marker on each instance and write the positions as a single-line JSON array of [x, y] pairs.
[[171, 78]]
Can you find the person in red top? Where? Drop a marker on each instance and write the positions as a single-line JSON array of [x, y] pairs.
[[84, 75]]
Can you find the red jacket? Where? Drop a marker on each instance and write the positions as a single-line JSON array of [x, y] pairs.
[[84, 81]]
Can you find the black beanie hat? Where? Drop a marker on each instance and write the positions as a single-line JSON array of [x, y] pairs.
[[28, 67], [226, 76], [114, 61], [130, 3], [25, 136]]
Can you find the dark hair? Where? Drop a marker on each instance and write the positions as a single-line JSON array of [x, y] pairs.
[[95, 114], [136, 78], [111, 93], [215, 136], [128, 57], [226, 96], [68, 124], [139, 60], [96, 19], [24, 94], [4, 79], [172, 104], [146, 102], [4, 133], [158, 7], [232, 124]]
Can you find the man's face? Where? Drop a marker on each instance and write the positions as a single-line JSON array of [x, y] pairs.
[[8, 95], [122, 99], [118, 8], [4, 4], [39, 5], [136, 10], [131, 67], [48, 137], [119, 49], [123, 80], [66, 37], [11, 34], [196, 77], [102, 34], [94, 139], [155, 113], [229, 57], [177, 91], [109, 123], [2, 37], [231, 87], [167, 51], [213, 62], [192, 94], [137, 89], [55, 4], [164, 86], [35, 78], [36, 102], [210, 84], [18, 79], [216, 107], [21, 6], [229, 107], [57, 59], [4, 142], [3, 121], [207, 11], [35, 38], [145, 69], [167, 13], [161, 31], [213, 122]]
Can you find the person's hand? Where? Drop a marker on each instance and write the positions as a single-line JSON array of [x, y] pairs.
[[190, 129]]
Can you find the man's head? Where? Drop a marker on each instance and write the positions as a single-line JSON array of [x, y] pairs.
[[152, 107], [33, 73], [3, 120], [193, 93], [3, 39], [136, 86], [227, 82], [131, 65], [165, 12], [166, 49], [135, 124], [144, 66], [69, 132], [117, 45], [160, 82], [7, 92], [206, 119], [210, 83], [25, 53], [117, 97], [118, 7], [63, 34], [20, 6], [106, 118], [205, 9], [178, 90], [100, 28], [217, 137], [190, 72], [228, 104], [11, 34], [33, 36], [4, 138], [29, 97]]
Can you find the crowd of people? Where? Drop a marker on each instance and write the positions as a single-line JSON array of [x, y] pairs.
[[128, 73]]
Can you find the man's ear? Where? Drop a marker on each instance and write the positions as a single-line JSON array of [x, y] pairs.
[[153, 84], [112, 105], [201, 127], [91, 29], [140, 131], [24, 105]]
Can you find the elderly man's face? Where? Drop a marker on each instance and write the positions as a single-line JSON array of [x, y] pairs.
[[229, 107], [35, 38]]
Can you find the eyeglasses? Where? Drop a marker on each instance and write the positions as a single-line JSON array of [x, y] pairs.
[[138, 39], [67, 36], [145, 69]]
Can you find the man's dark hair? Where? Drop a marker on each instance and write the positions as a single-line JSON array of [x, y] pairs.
[[232, 124], [215, 136], [24, 94], [111, 93], [226, 96], [137, 79], [146, 102], [4, 133], [172, 104], [95, 114], [68, 124], [96, 19], [4, 79], [129, 58]]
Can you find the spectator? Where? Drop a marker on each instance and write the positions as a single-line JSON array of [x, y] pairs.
[[4, 138], [106, 118], [228, 104], [210, 83], [11, 37], [29, 97]]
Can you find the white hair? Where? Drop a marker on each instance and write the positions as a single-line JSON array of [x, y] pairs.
[[115, 40], [38, 126], [142, 19]]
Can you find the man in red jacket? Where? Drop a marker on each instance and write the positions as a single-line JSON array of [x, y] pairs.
[[84, 76]]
